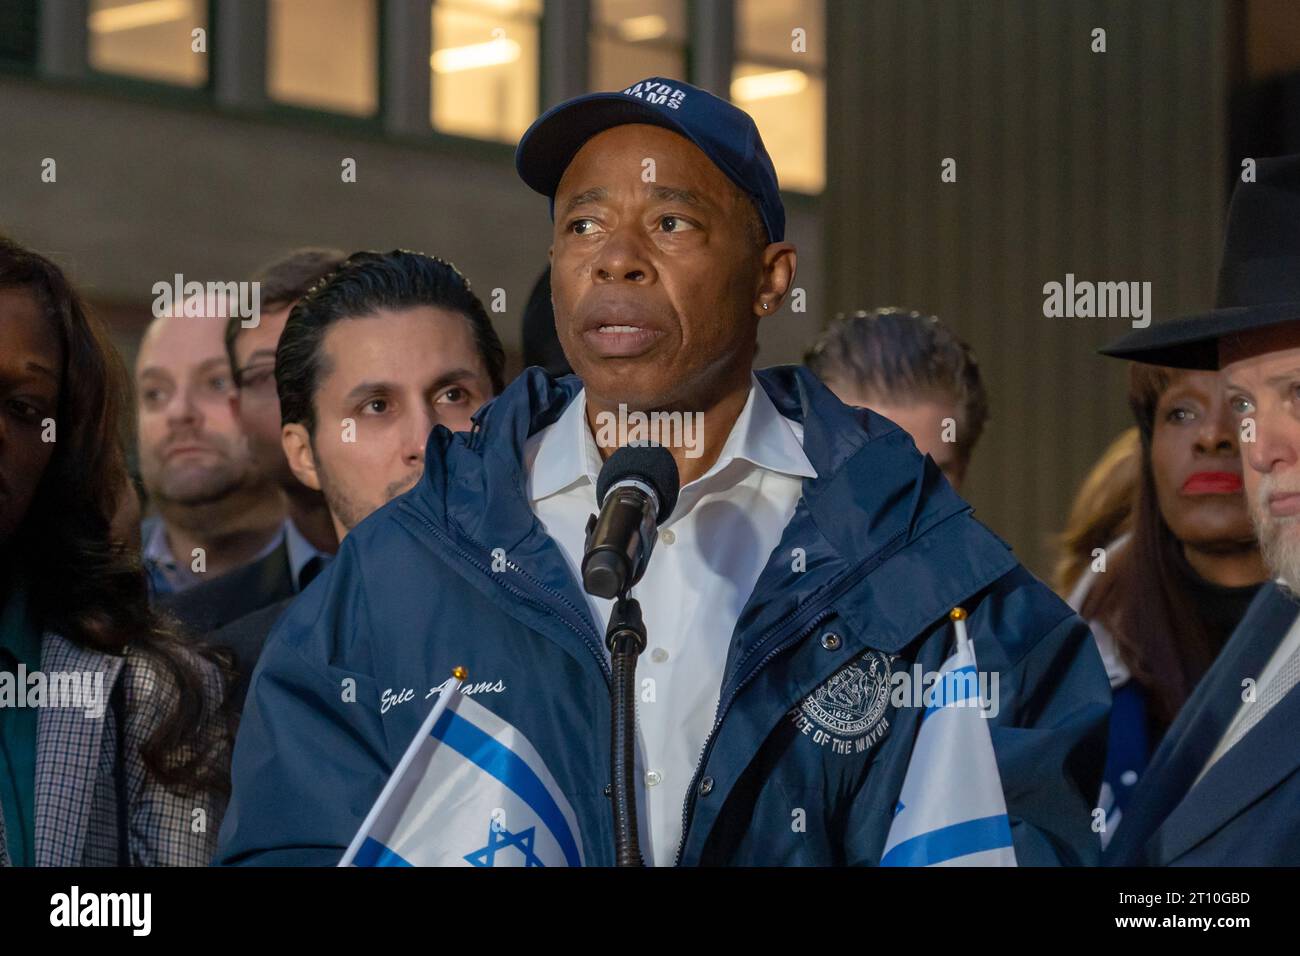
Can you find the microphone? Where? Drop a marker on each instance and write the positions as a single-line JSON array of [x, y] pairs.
[[636, 489]]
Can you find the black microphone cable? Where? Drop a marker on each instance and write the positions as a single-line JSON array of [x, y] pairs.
[[626, 639], [636, 490]]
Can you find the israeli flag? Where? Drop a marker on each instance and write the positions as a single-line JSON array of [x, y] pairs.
[[469, 791], [951, 811]]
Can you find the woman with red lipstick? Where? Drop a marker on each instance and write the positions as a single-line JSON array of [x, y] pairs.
[[1174, 588]]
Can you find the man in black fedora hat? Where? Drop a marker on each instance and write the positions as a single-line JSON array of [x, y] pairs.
[[1224, 786]]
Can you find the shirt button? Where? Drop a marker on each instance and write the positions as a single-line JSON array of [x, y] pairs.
[[706, 786], [652, 779], [831, 641], [659, 655], [667, 536]]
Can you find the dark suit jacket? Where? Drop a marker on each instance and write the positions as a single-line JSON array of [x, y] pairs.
[[1246, 810], [213, 604], [245, 638], [248, 599]]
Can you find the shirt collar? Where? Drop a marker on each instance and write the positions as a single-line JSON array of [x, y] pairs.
[[165, 573], [155, 551], [299, 550], [155, 548], [565, 453], [766, 438]]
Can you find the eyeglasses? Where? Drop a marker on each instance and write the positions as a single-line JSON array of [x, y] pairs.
[[256, 377]]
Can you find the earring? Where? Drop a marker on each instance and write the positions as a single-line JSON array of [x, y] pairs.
[[765, 306]]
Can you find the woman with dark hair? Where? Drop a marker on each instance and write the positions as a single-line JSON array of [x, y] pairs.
[[1163, 598], [114, 745]]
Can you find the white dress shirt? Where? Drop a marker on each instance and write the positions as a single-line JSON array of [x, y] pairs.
[[1275, 681], [706, 560]]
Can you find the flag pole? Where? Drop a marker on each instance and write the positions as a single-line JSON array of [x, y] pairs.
[[449, 689], [958, 617]]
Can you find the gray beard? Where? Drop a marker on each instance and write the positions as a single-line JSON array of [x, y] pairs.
[[1279, 545]]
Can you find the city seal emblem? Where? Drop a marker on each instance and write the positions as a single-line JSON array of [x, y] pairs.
[[847, 714]]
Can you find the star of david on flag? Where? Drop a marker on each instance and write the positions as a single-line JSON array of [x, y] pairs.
[[469, 791], [499, 838], [951, 810]]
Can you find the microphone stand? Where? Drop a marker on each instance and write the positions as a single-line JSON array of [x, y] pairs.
[[626, 639]]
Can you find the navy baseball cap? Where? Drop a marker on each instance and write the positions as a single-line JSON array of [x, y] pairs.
[[723, 132]]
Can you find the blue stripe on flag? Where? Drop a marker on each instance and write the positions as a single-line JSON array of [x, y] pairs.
[[374, 853], [948, 843], [953, 688], [500, 761]]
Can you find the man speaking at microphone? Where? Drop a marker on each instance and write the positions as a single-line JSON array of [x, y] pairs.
[[811, 554]]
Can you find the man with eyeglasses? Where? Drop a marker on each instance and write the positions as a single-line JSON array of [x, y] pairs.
[[308, 536]]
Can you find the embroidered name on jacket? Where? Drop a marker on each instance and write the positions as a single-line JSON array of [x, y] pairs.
[[390, 697], [847, 714]]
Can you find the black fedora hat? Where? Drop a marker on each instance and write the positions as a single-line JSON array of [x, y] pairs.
[[1259, 276]]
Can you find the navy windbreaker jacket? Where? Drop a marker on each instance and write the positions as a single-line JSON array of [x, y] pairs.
[[887, 549]]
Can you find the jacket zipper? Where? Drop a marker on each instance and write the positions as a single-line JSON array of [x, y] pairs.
[[809, 618], [581, 630]]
